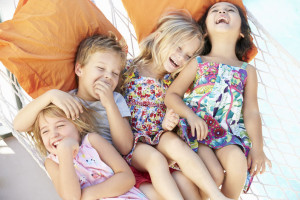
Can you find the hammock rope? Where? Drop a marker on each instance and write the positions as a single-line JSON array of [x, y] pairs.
[[278, 96]]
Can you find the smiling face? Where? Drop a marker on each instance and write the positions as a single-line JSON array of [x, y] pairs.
[[103, 66], [54, 129], [179, 55], [223, 17]]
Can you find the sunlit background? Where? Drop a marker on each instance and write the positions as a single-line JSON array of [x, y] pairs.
[[281, 18]]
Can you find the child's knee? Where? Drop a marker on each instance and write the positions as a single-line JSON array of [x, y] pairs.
[[218, 176], [175, 144], [157, 159]]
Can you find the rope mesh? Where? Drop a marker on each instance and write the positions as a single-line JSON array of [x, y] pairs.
[[278, 97]]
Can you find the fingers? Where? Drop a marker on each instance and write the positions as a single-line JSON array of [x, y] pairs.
[[253, 169], [198, 132], [259, 166], [205, 132], [101, 89], [199, 129], [269, 163], [73, 109], [169, 127], [263, 168], [202, 131], [193, 130], [75, 152]]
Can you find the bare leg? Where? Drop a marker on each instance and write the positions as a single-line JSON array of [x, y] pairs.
[[147, 158], [235, 164], [187, 188], [149, 191], [213, 165], [190, 163]]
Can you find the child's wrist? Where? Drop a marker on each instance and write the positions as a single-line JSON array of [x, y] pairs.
[[110, 105], [257, 147]]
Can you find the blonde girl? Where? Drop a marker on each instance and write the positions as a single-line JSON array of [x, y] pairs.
[[164, 52], [81, 163]]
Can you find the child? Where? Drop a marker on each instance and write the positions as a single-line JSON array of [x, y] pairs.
[[81, 163], [222, 102], [99, 62], [165, 51]]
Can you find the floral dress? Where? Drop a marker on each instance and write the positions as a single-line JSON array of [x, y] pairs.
[[91, 170], [145, 99], [217, 97]]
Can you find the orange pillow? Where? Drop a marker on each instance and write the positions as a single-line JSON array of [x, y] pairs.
[[144, 14], [39, 44]]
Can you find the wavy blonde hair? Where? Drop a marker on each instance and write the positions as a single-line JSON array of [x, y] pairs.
[[173, 28], [85, 124]]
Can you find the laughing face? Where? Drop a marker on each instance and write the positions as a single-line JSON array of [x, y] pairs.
[[101, 66], [179, 55], [54, 129], [223, 17]]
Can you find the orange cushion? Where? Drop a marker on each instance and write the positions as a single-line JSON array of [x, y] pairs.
[[145, 13], [39, 44]]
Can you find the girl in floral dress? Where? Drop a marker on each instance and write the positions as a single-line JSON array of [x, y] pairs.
[[222, 102], [165, 51]]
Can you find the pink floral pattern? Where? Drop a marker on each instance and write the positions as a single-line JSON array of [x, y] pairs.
[[145, 99]]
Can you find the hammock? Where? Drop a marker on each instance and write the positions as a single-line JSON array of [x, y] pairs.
[[278, 97]]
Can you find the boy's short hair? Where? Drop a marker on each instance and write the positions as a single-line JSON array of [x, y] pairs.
[[100, 43]]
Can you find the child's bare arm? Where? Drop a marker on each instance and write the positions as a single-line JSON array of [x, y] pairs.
[[174, 100], [256, 158], [27, 115], [63, 175], [120, 129], [122, 180], [121, 133], [170, 121]]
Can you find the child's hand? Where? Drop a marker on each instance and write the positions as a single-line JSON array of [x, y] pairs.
[[68, 146], [198, 126], [257, 161], [171, 119], [105, 92], [66, 102]]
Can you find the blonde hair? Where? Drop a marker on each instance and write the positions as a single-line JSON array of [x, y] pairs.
[[85, 124], [173, 28]]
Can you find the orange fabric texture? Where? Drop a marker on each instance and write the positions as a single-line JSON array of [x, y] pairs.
[[144, 14], [39, 44]]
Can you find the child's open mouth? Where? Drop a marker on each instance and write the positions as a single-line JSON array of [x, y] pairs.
[[222, 20], [173, 63], [54, 144]]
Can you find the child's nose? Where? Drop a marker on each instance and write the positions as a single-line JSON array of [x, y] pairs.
[[222, 11], [54, 133], [181, 58], [108, 75]]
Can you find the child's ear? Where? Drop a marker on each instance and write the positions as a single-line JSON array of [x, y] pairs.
[[78, 69]]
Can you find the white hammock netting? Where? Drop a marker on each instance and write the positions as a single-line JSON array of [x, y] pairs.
[[279, 103]]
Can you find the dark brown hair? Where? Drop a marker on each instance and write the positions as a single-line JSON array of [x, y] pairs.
[[243, 44]]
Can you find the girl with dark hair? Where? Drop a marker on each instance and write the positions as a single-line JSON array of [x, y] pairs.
[[220, 115]]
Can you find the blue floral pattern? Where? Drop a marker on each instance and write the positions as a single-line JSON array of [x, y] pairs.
[[217, 97]]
